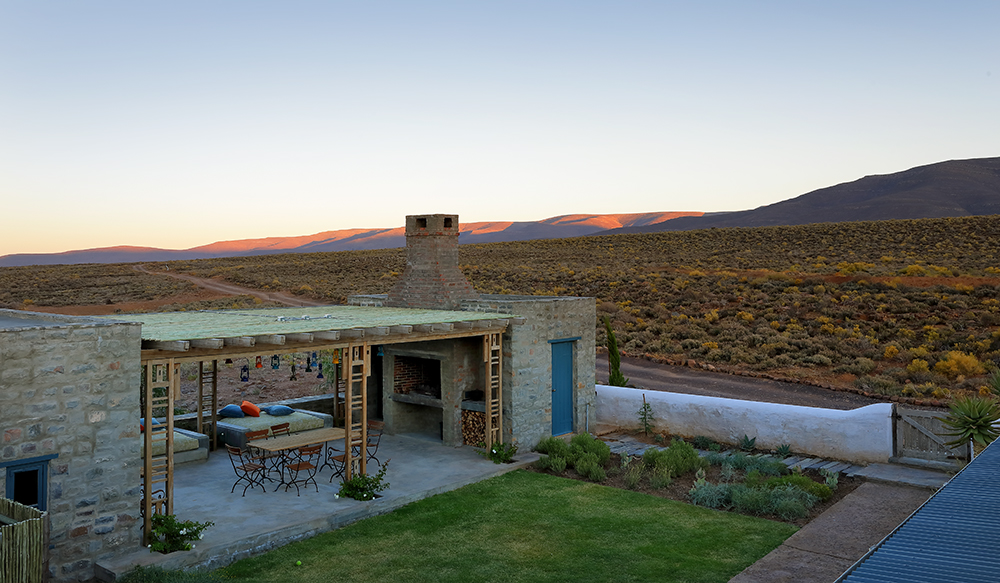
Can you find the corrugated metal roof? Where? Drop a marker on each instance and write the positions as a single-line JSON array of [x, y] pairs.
[[952, 537], [173, 326]]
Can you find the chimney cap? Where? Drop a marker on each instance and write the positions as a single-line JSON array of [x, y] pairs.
[[429, 225]]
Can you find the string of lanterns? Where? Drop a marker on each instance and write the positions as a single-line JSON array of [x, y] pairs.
[[313, 362]]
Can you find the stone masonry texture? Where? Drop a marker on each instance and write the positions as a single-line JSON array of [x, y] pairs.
[[70, 387], [527, 361], [432, 278]]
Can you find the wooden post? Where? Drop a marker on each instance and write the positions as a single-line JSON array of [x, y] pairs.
[[493, 359], [356, 362], [160, 374]]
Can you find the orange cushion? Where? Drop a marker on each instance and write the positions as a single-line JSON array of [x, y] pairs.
[[250, 409]]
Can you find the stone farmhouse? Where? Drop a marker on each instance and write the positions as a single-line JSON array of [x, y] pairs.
[[431, 357]]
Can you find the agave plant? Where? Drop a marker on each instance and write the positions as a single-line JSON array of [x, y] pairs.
[[972, 419]]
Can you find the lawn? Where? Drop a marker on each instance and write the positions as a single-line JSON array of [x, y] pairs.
[[527, 527]]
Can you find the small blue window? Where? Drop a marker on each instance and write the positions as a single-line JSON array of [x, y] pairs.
[[27, 481]]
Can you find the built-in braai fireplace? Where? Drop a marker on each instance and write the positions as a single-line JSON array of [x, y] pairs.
[[417, 376]]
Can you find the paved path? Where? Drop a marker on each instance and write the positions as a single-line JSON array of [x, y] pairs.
[[678, 379], [826, 547]]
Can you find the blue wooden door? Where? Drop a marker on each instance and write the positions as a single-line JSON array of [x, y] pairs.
[[562, 387]]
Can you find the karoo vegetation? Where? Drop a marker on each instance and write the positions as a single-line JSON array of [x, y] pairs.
[[908, 307]]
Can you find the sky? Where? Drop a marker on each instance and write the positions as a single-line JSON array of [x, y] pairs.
[[181, 123]]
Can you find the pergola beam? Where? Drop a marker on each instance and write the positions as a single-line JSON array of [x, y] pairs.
[[239, 342], [209, 343], [170, 345], [275, 339], [299, 337]]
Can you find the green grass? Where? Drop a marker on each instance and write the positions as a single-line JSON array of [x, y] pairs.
[[528, 527]]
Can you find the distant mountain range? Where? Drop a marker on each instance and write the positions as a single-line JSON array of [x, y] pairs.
[[955, 188], [352, 239]]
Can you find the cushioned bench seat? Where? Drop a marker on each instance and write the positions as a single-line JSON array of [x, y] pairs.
[[188, 446], [232, 430]]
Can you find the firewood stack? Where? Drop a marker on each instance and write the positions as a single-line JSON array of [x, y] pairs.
[[473, 427]]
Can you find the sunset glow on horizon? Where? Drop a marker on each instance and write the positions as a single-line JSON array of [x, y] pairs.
[[178, 124]]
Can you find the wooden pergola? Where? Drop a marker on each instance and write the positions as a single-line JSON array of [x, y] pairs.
[[205, 337]]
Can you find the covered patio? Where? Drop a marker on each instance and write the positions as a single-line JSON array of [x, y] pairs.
[[169, 339], [249, 525]]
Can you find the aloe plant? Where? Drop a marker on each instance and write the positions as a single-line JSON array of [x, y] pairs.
[[972, 419]]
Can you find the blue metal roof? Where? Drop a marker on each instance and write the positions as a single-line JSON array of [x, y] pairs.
[[952, 537]]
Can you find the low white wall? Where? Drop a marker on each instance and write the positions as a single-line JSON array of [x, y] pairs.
[[862, 435]]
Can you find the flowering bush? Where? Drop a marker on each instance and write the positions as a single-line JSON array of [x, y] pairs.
[[362, 487], [499, 453], [171, 535]]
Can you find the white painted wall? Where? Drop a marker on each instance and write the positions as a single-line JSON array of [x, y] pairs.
[[860, 435]]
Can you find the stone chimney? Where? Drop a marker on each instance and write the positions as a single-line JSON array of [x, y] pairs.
[[432, 278]]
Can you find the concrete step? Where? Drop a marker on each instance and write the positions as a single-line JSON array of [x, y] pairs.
[[897, 474]]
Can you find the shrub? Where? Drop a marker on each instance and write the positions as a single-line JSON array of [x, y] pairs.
[[499, 453], [791, 503], [633, 475], [170, 534], [891, 351], [553, 446], [584, 443], [804, 483], [709, 495], [660, 478], [554, 464], [918, 365], [680, 458], [957, 363], [752, 501], [364, 487]]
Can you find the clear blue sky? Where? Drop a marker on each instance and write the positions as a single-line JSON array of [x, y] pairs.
[[174, 124]]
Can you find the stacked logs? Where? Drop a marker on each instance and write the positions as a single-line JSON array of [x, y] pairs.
[[473, 427]]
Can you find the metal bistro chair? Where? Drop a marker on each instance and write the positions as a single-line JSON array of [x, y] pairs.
[[246, 470], [270, 460], [306, 460], [374, 437], [280, 429]]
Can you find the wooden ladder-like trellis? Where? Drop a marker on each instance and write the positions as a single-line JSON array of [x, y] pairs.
[[158, 471], [208, 377], [356, 361], [493, 357]]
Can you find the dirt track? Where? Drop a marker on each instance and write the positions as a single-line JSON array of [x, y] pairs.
[[228, 288], [677, 379]]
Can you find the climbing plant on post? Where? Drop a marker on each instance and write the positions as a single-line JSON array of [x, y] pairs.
[[615, 376]]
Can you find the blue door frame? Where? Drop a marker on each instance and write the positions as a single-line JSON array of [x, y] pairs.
[[562, 385]]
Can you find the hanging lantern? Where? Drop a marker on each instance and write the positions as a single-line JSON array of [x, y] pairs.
[[245, 373], [275, 362], [320, 375], [380, 353], [335, 359], [308, 364], [229, 362], [293, 377], [315, 358], [259, 363]]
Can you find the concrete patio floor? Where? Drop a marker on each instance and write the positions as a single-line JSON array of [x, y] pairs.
[[245, 526]]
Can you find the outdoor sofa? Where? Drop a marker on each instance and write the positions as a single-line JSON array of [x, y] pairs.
[[233, 430]]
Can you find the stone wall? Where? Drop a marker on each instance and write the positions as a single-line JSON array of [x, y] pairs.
[[527, 361], [69, 387]]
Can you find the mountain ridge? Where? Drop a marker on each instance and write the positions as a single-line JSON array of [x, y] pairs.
[[562, 226], [954, 188]]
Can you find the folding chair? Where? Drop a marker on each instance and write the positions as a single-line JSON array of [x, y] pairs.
[[306, 460], [270, 460], [280, 429], [246, 471], [374, 438]]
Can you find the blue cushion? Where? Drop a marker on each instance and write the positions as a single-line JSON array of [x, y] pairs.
[[231, 411], [278, 410]]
